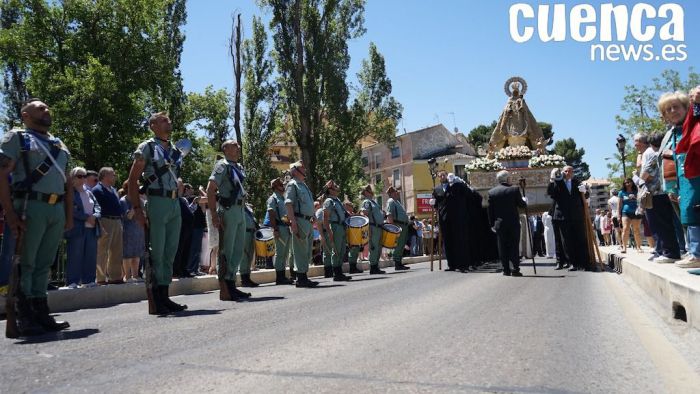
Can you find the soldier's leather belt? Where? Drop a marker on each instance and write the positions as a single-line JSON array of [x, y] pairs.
[[172, 194], [228, 202], [303, 216], [51, 199]]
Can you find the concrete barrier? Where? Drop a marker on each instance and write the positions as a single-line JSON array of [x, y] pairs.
[[672, 289], [105, 296]]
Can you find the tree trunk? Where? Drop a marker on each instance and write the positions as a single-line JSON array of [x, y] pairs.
[[235, 49], [304, 134]]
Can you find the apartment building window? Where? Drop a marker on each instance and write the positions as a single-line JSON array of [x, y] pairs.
[[365, 161], [377, 160], [395, 152], [396, 178], [377, 179]]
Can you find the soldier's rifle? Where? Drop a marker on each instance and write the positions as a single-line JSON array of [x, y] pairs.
[[222, 269], [11, 329]]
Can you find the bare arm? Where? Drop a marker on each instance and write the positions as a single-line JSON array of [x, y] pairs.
[[134, 175]]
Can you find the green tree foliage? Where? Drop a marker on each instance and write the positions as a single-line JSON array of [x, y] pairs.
[[102, 66], [639, 113], [260, 115], [210, 113], [310, 41], [573, 157], [15, 73]]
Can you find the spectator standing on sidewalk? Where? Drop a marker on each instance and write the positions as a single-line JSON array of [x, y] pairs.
[[110, 243], [82, 238], [133, 238]]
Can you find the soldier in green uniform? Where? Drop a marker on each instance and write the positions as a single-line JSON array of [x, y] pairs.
[[334, 230], [354, 251], [157, 162], [300, 210], [251, 226], [374, 213], [396, 214], [39, 204], [283, 237], [226, 195]]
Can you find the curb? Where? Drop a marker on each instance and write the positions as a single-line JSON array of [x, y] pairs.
[[105, 296], [673, 290]]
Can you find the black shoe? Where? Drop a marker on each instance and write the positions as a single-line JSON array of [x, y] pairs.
[[327, 272], [573, 269], [516, 273], [42, 316], [559, 267], [161, 308], [281, 279], [247, 282], [354, 269], [567, 265], [506, 273], [338, 275], [303, 281], [374, 270], [173, 306], [450, 269], [400, 267], [27, 324]]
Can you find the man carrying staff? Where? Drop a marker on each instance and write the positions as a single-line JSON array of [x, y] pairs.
[[226, 196], [374, 213], [158, 162], [283, 237], [334, 230], [299, 202], [36, 162], [396, 214]]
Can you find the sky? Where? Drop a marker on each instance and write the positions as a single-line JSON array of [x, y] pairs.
[[448, 61]]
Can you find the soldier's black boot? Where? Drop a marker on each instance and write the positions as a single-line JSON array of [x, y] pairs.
[[41, 313], [303, 281], [354, 269], [281, 279], [400, 267], [235, 293], [374, 270], [161, 309], [338, 275], [165, 299], [26, 320], [327, 272], [247, 282]]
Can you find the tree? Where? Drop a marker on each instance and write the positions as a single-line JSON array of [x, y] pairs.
[[573, 157], [310, 39], [210, 112], [14, 88], [639, 112], [260, 117], [100, 77]]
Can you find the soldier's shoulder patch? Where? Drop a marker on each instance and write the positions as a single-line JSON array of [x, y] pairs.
[[220, 167]]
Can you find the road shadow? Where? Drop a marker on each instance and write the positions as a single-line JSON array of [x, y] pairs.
[[366, 279], [398, 272], [60, 336], [262, 299], [327, 286], [544, 276], [195, 312]]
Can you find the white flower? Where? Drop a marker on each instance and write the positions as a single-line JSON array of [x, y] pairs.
[[547, 161], [484, 164], [514, 153]]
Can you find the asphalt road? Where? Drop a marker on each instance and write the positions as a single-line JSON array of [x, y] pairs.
[[415, 331]]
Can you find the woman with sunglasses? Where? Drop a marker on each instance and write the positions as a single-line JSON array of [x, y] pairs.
[[82, 238], [628, 209]]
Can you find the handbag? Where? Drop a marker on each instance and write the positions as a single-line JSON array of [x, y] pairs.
[[669, 166], [645, 198]]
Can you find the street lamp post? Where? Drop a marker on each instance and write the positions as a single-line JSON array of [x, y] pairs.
[[621, 145]]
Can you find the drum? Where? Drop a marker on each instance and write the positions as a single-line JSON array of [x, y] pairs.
[[357, 232], [264, 242], [390, 235]]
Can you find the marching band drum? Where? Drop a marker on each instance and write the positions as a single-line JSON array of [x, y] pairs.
[[357, 232], [264, 242], [390, 235]]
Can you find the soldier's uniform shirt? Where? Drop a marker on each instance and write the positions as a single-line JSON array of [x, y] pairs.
[[163, 210], [275, 203], [376, 219], [398, 213], [336, 220], [45, 221], [299, 196], [228, 178]]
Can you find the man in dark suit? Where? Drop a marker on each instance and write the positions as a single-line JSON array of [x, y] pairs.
[[566, 191], [504, 201]]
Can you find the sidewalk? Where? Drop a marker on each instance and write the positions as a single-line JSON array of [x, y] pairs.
[[674, 290], [105, 296]]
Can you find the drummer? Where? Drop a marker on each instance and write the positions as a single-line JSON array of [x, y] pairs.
[[248, 248], [374, 213], [353, 250], [396, 215], [333, 227]]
